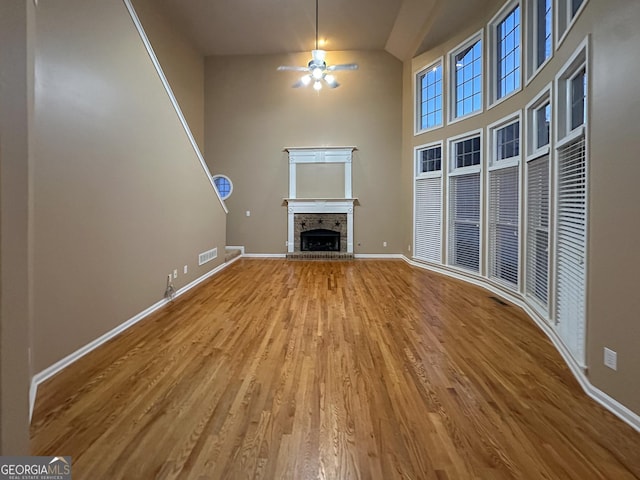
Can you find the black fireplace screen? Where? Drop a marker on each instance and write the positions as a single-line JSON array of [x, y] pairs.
[[320, 240]]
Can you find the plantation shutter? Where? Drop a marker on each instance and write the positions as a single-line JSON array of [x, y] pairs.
[[537, 244], [503, 226], [464, 231], [428, 226], [571, 247]]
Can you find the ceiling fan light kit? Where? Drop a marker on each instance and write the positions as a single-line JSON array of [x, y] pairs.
[[317, 69]]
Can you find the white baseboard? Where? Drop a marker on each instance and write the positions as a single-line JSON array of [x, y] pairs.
[[264, 255], [378, 255], [50, 371], [611, 404]]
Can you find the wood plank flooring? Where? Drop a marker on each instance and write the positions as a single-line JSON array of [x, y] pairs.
[[363, 369]]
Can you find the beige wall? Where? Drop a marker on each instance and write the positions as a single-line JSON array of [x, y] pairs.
[[119, 196], [16, 104], [181, 62], [252, 113], [613, 262]]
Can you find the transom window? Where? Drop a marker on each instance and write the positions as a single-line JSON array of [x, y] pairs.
[[579, 99], [508, 141], [430, 159], [467, 78], [508, 53], [467, 152], [571, 99], [542, 122], [430, 97]]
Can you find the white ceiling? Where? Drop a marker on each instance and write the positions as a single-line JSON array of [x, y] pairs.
[[255, 27]]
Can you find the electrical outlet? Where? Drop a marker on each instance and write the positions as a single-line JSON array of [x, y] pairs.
[[610, 359], [384, 244], [185, 269], [175, 273], [408, 248], [248, 213]]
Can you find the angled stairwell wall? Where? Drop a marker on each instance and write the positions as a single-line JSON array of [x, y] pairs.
[[119, 195]]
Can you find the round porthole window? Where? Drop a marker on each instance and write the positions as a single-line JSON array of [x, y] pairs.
[[224, 186]]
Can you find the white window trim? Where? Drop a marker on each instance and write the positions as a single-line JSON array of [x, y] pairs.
[[562, 34], [417, 99], [451, 152], [492, 131], [451, 70], [540, 99], [218, 175], [492, 49], [443, 161], [530, 40], [562, 104]]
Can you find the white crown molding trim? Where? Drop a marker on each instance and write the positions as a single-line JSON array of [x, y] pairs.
[[60, 365], [174, 101], [611, 404]]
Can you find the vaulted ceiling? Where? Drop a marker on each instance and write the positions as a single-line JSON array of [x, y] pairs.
[[404, 28]]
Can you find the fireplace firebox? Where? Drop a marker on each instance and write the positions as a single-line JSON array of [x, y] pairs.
[[320, 240]]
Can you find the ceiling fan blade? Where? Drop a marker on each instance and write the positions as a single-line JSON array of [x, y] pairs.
[[333, 84], [298, 84], [290, 68], [344, 66]]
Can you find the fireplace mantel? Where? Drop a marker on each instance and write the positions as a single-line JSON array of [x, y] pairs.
[[320, 205]]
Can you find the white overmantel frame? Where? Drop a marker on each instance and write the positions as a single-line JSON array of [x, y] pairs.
[[320, 205]]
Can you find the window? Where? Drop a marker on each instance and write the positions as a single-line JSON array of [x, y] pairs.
[[539, 124], [223, 185], [504, 202], [542, 122], [537, 241], [467, 152], [568, 11], [504, 53], [508, 68], [429, 83], [430, 159], [428, 203], [578, 99], [466, 63], [508, 142], [539, 34], [572, 95], [570, 247], [465, 201]]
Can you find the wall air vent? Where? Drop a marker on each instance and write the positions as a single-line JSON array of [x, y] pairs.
[[207, 256]]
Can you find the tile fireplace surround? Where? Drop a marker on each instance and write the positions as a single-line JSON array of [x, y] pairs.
[[298, 208]]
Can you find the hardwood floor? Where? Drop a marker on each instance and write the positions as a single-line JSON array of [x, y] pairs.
[[279, 369]]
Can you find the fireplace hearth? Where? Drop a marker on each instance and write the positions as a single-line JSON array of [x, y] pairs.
[[320, 240]]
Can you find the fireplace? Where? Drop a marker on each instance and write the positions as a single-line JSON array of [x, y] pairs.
[[320, 240]]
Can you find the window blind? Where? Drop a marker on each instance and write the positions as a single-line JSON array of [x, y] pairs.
[[464, 228], [503, 226], [428, 222], [537, 241], [571, 246]]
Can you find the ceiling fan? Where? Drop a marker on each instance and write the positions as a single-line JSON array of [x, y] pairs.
[[317, 70]]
